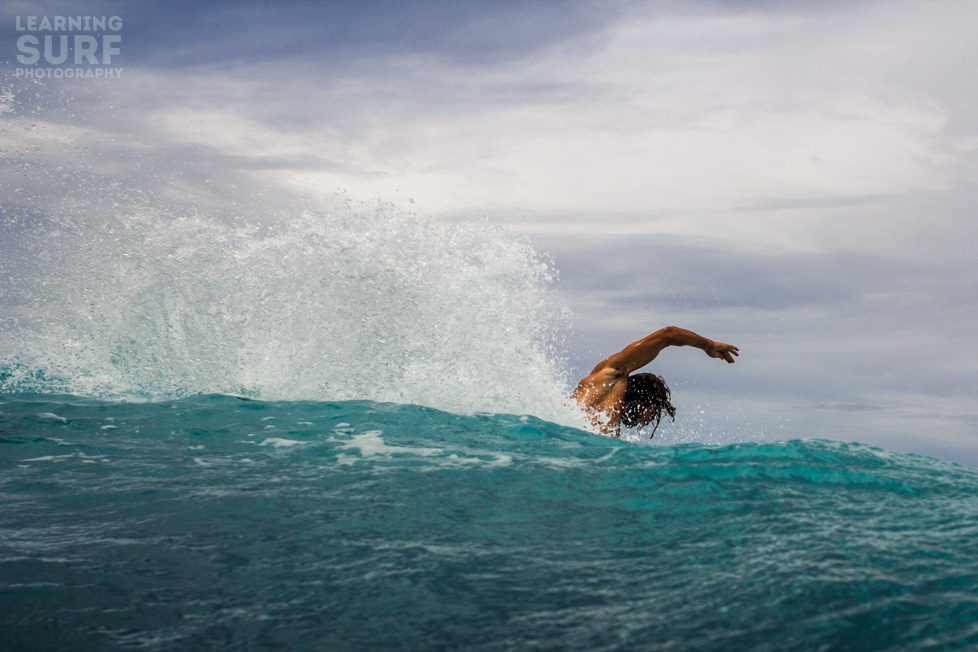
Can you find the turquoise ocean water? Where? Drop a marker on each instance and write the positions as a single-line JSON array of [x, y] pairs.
[[218, 523]]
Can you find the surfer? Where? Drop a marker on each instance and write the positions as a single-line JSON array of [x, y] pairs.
[[612, 395]]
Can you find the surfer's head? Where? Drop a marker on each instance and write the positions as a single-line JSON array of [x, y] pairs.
[[646, 398]]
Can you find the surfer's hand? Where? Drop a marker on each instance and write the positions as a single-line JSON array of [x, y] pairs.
[[723, 351]]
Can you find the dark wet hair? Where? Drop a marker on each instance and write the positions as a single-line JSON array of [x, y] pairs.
[[642, 391]]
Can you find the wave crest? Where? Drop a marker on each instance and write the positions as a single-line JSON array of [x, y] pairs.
[[336, 305]]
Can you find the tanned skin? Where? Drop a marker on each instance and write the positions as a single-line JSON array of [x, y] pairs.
[[602, 392]]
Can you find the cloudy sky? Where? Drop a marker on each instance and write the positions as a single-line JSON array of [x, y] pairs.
[[796, 178]]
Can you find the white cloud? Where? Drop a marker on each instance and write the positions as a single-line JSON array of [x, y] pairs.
[[683, 112]]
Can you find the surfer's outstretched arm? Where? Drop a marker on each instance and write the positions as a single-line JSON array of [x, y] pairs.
[[638, 354]]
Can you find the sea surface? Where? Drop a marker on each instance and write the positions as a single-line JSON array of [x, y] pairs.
[[214, 522]]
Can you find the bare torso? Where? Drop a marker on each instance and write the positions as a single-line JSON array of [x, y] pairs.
[[602, 394]]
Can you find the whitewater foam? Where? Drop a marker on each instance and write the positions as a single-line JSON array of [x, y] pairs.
[[331, 305]]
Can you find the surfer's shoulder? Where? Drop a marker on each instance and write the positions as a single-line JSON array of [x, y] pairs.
[[598, 382], [606, 371]]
